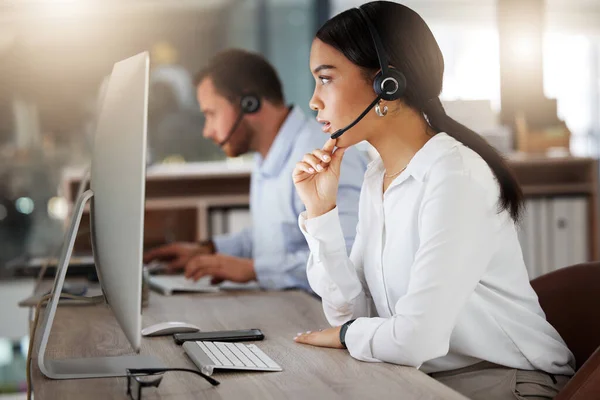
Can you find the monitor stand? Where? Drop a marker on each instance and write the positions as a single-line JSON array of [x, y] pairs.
[[76, 368]]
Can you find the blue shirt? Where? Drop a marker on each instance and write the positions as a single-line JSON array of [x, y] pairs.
[[274, 241]]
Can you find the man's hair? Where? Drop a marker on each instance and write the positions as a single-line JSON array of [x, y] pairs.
[[236, 72]]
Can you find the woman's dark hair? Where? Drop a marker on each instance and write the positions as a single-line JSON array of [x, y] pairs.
[[235, 72], [412, 49]]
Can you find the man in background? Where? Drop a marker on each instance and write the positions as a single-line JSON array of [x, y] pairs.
[[273, 250], [173, 115]]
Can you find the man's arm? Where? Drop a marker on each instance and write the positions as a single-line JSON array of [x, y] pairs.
[[236, 244], [285, 270]]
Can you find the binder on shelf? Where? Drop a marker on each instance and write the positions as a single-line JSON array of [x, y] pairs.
[[569, 231], [217, 222], [580, 244], [561, 233], [238, 219], [543, 237], [527, 237], [229, 220]]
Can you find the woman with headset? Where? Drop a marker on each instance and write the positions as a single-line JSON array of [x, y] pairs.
[[436, 278]]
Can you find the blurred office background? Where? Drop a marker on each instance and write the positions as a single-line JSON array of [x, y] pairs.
[[55, 56]]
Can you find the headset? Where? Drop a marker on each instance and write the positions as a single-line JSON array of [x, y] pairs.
[[249, 104], [389, 83]]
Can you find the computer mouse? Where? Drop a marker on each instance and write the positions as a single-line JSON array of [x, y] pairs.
[[168, 328], [72, 289]]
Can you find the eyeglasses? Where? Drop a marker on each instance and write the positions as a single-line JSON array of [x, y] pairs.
[[140, 378]]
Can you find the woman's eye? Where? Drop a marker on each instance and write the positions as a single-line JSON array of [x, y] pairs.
[[324, 80]]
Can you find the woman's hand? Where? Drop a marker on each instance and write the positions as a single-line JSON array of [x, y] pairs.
[[317, 177], [324, 338]]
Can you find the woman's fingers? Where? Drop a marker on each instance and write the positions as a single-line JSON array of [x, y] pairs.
[[322, 155], [303, 168], [304, 337], [313, 161], [323, 338], [336, 159], [329, 145]]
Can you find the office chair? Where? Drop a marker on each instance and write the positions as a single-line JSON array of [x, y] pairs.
[[570, 297]]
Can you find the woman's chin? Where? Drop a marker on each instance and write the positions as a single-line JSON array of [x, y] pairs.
[[343, 143]]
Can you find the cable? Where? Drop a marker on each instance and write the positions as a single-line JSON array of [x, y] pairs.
[[43, 301]]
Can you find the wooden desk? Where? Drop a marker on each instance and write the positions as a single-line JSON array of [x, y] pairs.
[[308, 372]]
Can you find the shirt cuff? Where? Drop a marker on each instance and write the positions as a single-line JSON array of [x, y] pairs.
[[323, 234], [359, 336]]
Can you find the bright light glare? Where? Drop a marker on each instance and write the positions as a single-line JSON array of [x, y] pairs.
[[571, 55], [6, 352], [59, 8], [472, 70], [25, 205], [25, 345], [523, 47], [58, 208]]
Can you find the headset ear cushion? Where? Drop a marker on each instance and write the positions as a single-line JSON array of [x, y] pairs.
[[390, 86], [250, 103]]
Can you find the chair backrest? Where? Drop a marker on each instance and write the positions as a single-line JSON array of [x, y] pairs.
[[585, 385], [570, 297]]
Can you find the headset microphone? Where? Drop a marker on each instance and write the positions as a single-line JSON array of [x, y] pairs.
[[389, 83], [249, 104], [340, 132]]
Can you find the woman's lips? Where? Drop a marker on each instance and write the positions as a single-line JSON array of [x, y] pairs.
[[326, 124]]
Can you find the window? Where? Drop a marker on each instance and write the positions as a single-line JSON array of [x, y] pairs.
[[572, 76]]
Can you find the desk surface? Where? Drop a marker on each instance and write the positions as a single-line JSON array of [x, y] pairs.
[[308, 372]]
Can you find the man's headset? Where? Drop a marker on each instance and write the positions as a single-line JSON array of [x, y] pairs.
[[249, 104], [389, 83]]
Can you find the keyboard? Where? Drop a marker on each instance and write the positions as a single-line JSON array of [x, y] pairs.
[[209, 356], [170, 284]]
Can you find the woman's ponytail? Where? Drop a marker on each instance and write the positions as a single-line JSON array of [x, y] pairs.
[[511, 196]]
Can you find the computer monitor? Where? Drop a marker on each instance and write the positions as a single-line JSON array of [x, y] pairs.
[[117, 190]]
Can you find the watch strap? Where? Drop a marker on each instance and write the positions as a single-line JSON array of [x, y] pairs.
[[343, 330]]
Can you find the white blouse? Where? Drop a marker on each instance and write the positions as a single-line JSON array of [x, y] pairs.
[[436, 277]]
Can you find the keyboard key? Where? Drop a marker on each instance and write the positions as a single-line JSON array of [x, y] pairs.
[[223, 347], [252, 357], [223, 360], [265, 358], [209, 353], [235, 349]]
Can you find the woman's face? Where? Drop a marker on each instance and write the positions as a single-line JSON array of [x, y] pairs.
[[341, 94]]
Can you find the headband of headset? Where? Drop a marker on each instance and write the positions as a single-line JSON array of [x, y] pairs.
[[389, 83]]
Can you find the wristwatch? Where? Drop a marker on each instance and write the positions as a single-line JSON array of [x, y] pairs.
[[343, 330]]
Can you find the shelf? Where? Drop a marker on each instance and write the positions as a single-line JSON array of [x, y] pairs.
[[559, 189]]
